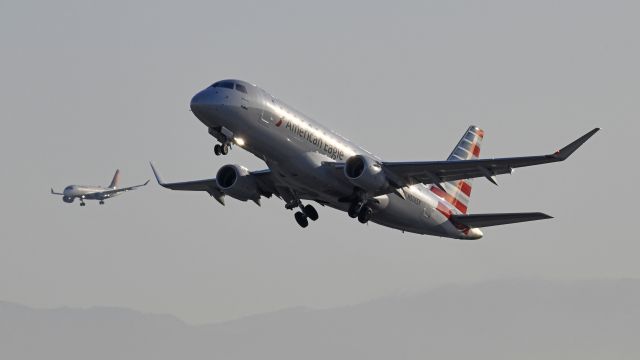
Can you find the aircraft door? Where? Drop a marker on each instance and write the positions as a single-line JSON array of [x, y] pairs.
[[267, 118]]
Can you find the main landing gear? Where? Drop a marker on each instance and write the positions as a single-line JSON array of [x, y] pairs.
[[101, 202], [306, 212], [82, 203], [361, 211]]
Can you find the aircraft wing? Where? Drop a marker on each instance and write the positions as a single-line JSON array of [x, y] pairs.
[[53, 192], [435, 172], [115, 191], [263, 177]]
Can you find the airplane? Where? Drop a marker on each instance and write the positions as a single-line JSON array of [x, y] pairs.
[[309, 162], [84, 192]]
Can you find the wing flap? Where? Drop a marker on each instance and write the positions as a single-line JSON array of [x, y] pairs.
[[484, 220]]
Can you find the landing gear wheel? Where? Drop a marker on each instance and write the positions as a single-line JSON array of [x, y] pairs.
[[365, 215], [224, 149], [82, 204], [217, 149], [353, 210], [311, 212], [301, 219], [101, 202]]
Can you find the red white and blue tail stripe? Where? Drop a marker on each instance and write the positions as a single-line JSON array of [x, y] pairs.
[[458, 193]]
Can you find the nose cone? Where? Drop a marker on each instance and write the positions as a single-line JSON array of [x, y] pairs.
[[201, 100], [210, 104]]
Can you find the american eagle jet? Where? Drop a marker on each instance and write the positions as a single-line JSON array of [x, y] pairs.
[[89, 192], [309, 162]]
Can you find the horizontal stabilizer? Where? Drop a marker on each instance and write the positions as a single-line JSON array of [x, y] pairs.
[[484, 220]]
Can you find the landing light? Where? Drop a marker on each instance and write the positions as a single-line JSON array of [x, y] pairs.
[[239, 141]]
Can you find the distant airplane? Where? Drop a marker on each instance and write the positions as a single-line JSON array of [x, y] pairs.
[[84, 192], [308, 161]]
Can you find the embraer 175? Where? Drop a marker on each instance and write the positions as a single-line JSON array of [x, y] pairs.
[[84, 192], [309, 162]]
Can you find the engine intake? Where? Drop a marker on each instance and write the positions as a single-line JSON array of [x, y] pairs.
[[365, 173], [237, 182]]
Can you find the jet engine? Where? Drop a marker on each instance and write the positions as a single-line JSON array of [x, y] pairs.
[[67, 199], [237, 182], [365, 173]]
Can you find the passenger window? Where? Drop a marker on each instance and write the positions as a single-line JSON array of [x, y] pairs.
[[241, 88]]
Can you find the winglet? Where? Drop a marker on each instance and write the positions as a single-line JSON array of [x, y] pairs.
[[155, 173], [137, 186], [53, 192], [566, 151]]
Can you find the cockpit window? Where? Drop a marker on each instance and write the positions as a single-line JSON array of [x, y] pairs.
[[241, 88], [223, 84]]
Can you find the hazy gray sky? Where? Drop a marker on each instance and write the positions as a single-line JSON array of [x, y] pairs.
[[91, 86]]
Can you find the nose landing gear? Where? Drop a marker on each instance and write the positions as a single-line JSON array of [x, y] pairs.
[[222, 149], [224, 136]]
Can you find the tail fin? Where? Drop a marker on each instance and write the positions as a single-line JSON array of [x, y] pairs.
[[116, 180], [458, 193]]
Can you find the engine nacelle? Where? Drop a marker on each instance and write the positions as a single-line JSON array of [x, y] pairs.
[[365, 174], [67, 199], [237, 182]]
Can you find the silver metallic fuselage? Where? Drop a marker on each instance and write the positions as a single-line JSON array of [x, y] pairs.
[[87, 192], [294, 147]]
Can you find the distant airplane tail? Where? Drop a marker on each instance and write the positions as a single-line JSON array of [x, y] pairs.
[[116, 180], [458, 193]]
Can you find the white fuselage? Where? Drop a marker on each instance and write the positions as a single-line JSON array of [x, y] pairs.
[[295, 147], [86, 192]]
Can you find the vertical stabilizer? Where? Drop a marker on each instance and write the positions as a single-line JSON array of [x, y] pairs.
[[116, 180], [458, 193]]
